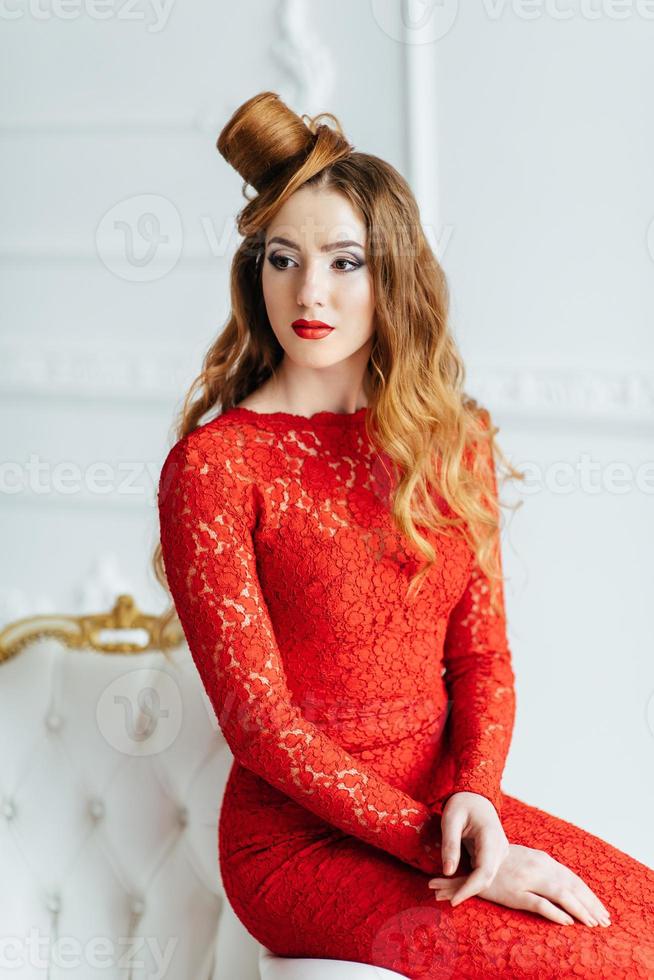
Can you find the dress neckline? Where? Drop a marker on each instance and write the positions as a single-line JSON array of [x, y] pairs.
[[318, 418]]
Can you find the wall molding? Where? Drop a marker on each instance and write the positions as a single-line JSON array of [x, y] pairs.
[[536, 396], [162, 374], [82, 254], [558, 392], [75, 126], [206, 121], [78, 371]]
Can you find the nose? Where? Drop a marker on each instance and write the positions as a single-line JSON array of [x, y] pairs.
[[311, 287]]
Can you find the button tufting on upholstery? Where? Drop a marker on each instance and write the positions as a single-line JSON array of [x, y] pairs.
[[137, 905], [96, 808], [54, 721], [8, 809], [182, 816], [53, 902]]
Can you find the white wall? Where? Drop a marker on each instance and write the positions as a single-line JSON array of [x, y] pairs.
[[546, 203], [527, 142]]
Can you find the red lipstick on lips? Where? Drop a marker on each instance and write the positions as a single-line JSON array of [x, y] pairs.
[[311, 329]]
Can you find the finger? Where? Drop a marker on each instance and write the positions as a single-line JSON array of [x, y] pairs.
[[589, 898], [488, 862], [446, 887], [443, 894], [566, 898], [584, 894], [441, 882], [479, 879], [451, 830], [542, 906], [570, 891]]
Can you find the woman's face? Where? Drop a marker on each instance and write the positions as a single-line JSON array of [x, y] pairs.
[[306, 277]]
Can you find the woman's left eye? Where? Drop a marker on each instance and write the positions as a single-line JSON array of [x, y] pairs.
[[355, 265]]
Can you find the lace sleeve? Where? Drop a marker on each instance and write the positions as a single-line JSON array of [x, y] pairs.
[[207, 513], [480, 682]]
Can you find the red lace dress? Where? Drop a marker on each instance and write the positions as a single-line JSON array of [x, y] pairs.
[[353, 713]]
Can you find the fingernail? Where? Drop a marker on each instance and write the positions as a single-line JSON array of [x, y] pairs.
[[448, 867], [605, 921]]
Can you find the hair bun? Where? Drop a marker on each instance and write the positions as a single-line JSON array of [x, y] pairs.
[[264, 137]]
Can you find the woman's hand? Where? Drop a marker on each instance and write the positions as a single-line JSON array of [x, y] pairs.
[[533, 880], [471, 818]]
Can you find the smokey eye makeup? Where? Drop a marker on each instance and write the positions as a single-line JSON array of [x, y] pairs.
[[353, 263]]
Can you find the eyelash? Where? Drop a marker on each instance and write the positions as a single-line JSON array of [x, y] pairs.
[[272, 258]]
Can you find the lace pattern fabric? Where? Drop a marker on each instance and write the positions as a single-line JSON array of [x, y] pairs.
[[352, 714]]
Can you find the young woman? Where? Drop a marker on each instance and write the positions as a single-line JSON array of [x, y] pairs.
[[331, 544]]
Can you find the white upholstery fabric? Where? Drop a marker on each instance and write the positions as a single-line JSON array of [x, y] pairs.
[[112, 768], [286, 968]]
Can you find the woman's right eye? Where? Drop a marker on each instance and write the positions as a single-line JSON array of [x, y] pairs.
[[274, 259]]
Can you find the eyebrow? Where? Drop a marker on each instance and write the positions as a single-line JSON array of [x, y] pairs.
[[323, 248]]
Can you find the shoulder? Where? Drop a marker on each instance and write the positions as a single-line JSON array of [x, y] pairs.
[[211, 462], [221, 441]]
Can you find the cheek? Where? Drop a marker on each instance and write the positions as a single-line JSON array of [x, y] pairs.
[[355, 291], [359, 299], [272, 288], [356, 310]]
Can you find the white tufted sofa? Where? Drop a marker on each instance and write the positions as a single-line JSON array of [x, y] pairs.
[[111, 776]]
